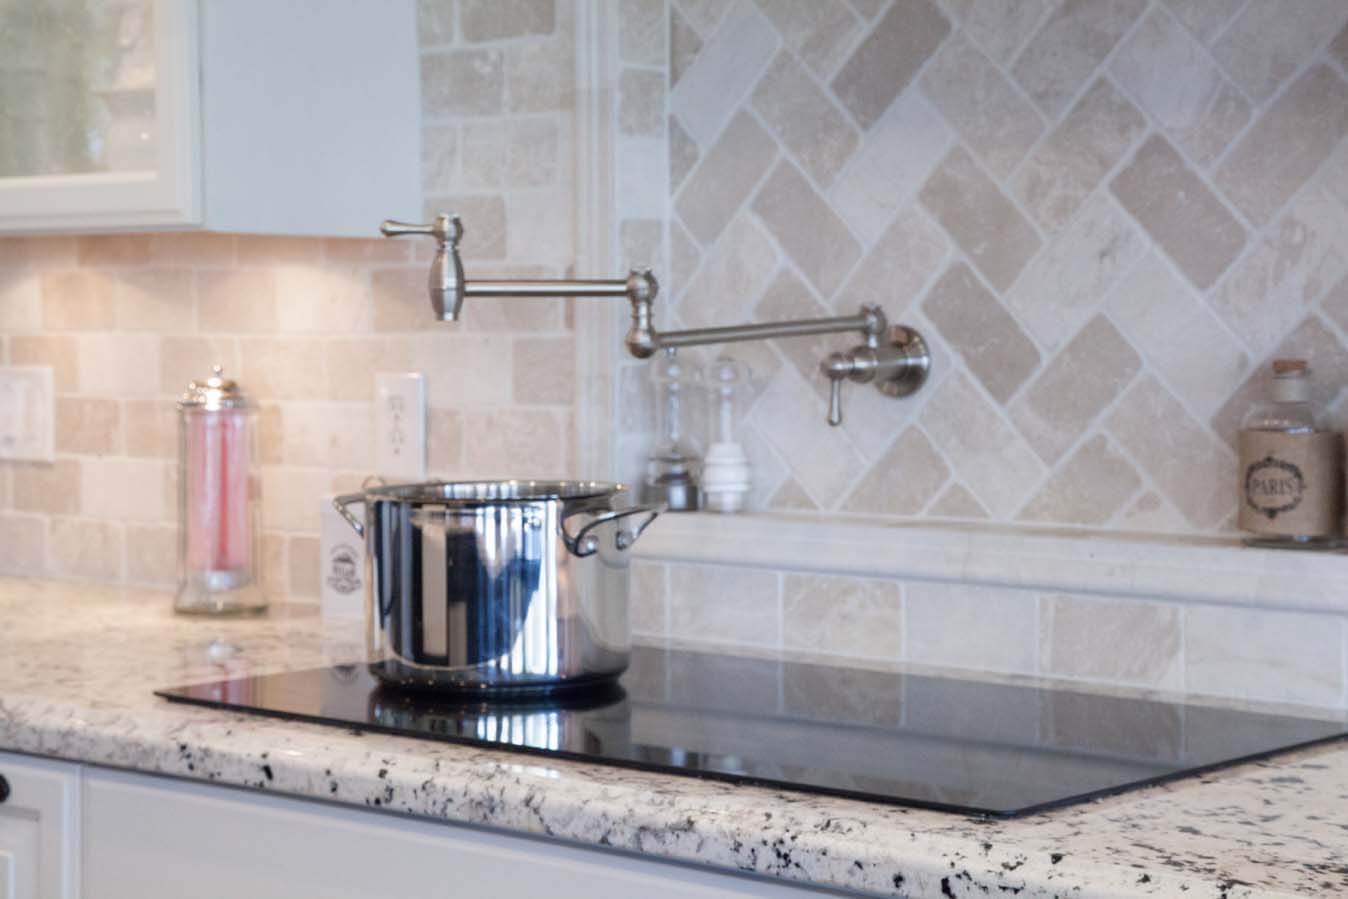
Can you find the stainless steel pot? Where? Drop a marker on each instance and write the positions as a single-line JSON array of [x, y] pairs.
[[497, 585]]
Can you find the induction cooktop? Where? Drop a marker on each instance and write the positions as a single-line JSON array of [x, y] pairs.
[[966, 746]]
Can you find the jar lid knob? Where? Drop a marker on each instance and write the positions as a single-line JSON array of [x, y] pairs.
[[215, 392]]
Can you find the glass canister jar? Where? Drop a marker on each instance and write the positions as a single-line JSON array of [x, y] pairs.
[[217, 501]]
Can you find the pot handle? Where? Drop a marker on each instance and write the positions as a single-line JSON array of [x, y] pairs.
[[340, 503], [587, 544]]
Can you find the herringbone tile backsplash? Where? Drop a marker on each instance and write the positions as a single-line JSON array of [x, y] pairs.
[[1105, 215]]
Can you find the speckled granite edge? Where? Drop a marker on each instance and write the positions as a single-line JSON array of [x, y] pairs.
[[77, 673]]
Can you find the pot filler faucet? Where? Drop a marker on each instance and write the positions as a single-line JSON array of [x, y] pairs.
[[893, 358]]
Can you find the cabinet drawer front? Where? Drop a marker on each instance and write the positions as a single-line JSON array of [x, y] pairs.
[[150, 838]]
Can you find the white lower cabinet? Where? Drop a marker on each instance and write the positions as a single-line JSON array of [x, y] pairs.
[[119, 835], [39, 829]]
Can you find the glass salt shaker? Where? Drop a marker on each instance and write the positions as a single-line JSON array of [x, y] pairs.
[[217, 501], [676, 459]]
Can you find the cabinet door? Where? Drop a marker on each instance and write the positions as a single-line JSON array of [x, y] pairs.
[[38, 836], [150, 838], [98, 114]]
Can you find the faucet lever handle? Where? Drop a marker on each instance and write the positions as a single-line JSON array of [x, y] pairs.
[[835, 402], [838, 367], [446, 229]]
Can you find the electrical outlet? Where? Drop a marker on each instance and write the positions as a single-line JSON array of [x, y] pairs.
[[27, 413], [400, 426]]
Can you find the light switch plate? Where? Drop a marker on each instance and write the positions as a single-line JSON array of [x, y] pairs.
[[27, 413], [400, 426]]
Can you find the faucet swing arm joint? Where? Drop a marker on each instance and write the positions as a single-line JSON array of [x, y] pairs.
[[893, 358]]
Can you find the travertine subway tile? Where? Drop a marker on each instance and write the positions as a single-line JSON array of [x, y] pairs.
[[1271, 39], [988, 456], [50, 488], [1175, 452], [816, 133], [731, 278], [1287, 145], [20, 301], [855, 617], [60, 353], [980, 218], [25, 541], [887, 170], [893, 273], [707, 93], [1071, 390], [1120, 641], [82, 548], [957, 502], [88, 426], [724, 179], [1205, 18], [77, 300], [888, 59], [902, 481], [151, 554], [1245, 652], [1072, 160], [978, 628], [650, 599], [113, 249], [819, 31], [1279, 280], [992, 344], [120, 365], [1199, 109], [435, 23], [237, 300], [641, 32], [529, 441], [641, 102], [462, 82], [991, 115], [544, 370], [684, 45], [493, 20], [1066, 282], [683, 153], [791, 416], [807, 229], [439, 159], [1178, 335], [1072, 42], [1179, 212], [151, 428], [1088, 488], [1000, 27], [726, 605], [444, 441]]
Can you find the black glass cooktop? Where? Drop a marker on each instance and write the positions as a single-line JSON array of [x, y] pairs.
[[956, 745]]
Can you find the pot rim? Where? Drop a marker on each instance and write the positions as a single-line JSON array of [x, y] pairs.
[[514, 490]]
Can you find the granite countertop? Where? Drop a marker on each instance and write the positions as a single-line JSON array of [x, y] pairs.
[[78, 665]]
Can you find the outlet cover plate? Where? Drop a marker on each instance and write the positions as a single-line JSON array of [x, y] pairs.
[[400, 426], [27, 413]]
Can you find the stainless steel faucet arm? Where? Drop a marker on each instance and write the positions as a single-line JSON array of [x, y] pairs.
[[895, 359]]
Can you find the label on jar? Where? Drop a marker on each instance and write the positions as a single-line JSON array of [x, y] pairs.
[[1290, 484]]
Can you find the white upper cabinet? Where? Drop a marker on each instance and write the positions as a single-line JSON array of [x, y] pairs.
[[254, 116]]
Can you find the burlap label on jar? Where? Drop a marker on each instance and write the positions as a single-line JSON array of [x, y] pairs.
[[1291, 484]]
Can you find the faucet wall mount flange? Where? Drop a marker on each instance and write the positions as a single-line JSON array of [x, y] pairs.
[[895, 359]]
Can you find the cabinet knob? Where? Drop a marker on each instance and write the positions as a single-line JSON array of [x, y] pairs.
[[4, 788]]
